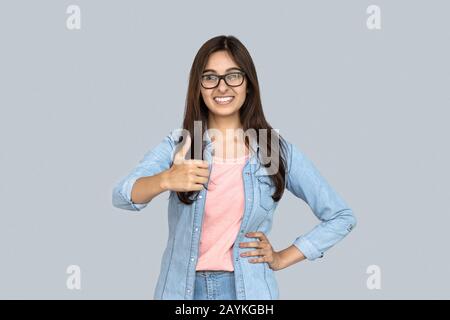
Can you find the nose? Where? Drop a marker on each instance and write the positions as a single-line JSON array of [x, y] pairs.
[[222, 85]]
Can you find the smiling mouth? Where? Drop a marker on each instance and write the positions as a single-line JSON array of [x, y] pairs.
[[223, 100]]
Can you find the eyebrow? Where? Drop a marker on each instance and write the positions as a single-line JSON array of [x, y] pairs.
[[229, 69]]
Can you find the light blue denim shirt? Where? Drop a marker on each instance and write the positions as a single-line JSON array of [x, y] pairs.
[[254, 281]]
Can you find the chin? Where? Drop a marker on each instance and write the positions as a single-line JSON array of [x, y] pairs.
[[223, 112]]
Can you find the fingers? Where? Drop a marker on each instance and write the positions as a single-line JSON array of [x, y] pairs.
[[201, 172], [201, 180], [197, 178], [258, 260], [258, 244], [180, 155], [198, 163], [260, 235], [264, 248], [196, 187], [259, 255], [262, 242], [252, 253]]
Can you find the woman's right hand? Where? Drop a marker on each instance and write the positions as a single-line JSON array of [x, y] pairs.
[[186, 175]]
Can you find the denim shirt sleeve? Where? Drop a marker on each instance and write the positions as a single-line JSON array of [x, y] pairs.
[[337, 219], [154, 161]]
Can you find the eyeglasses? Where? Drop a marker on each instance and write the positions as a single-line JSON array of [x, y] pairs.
[[234, 79]]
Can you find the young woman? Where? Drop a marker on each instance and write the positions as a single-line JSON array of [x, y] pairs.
[[221, 207]]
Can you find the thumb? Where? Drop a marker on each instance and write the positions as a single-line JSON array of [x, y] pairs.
[[180, 155]]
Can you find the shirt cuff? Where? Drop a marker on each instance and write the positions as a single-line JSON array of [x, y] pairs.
[[126, 194], [307, 248]]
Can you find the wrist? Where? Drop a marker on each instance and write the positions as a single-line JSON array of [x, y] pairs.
[[164, 181], [285, 258], [277, 263]]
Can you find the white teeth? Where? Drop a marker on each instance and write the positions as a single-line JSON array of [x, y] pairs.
[[223, 99]]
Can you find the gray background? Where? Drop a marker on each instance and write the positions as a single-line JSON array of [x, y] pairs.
[[79, 109]]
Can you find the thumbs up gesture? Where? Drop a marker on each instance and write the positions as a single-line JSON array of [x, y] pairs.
[[186, 175]]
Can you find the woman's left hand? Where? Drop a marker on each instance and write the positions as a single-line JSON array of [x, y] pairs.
[[265, 250]]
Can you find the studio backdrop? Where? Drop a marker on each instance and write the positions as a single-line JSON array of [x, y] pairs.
[[88, 87]]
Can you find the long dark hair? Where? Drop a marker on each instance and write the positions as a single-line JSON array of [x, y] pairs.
[[251, 113]]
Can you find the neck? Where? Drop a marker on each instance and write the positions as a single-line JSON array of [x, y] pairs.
[[229, 144], [223, 124]]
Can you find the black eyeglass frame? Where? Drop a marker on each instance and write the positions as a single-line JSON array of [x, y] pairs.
[[224, 79]]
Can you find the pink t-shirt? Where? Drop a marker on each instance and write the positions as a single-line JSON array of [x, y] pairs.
[[224, 209]]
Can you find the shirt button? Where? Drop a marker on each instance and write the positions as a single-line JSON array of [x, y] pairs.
[[196, 229], [199, 197], [192, 259], [188, 291], [249, 199]]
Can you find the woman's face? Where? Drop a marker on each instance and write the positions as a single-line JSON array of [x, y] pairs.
[[221, 63]]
